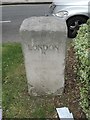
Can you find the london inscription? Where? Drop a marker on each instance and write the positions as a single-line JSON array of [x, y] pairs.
[[43, 48]]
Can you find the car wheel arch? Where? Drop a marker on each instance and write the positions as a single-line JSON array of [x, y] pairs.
[[73, 26], [84, 16]]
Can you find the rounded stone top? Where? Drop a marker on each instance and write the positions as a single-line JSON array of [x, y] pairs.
[[43, 23]]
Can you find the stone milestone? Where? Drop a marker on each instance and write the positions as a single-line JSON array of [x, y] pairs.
[[44, 48]]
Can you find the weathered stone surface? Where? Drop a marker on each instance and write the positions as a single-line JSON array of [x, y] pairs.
[[44, 43]]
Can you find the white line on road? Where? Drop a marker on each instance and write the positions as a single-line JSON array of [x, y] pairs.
[[5, 21]]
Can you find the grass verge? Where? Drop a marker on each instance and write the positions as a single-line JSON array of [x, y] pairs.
[[16, 101], [0, 75]]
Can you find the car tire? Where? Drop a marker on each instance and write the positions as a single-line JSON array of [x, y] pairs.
[[73, 25]]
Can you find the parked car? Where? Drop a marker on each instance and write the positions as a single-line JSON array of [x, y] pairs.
[[75, 13]]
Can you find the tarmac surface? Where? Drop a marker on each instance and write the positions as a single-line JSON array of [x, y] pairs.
[[13, 16]]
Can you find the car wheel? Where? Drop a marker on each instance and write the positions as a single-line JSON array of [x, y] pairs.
[[73, 25]]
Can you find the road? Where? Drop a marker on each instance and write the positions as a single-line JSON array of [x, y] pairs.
[[12, 17]]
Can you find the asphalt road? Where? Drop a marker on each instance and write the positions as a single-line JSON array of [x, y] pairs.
[[12, 17]]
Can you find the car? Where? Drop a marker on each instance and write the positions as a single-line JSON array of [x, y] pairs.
[[75, 12]]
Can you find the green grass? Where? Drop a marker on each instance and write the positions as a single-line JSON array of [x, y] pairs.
[[0, 75], [16, 101]]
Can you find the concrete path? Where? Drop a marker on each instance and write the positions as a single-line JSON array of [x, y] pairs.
[[23, 1]]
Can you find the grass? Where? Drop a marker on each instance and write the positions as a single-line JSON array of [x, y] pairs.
[[16, 101], [0, 75]]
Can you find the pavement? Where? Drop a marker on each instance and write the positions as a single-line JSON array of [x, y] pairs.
[[23, 1]]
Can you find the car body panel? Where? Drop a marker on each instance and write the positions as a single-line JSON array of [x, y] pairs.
[[73, 8], [71, 2], [75, 13]]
